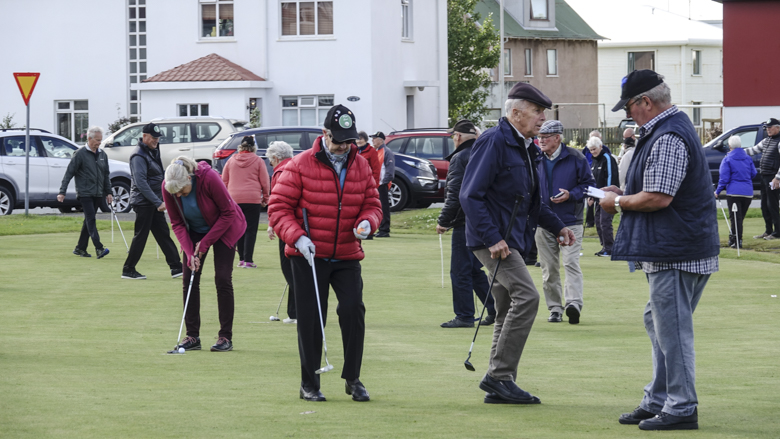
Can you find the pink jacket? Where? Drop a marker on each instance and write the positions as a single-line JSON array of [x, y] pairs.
[[222, 214], [247, 178]]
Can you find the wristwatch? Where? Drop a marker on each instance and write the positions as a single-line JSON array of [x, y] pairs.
[[617, 205]]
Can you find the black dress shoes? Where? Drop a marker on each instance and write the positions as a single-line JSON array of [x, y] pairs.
[[507, 390], [638, 415], [311, 395], [665, 421], [357, 390], [573, 314]]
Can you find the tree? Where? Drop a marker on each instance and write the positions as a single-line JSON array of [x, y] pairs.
[[472, 49], [8, 121]]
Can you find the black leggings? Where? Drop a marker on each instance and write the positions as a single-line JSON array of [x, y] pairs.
[[743, 203], [246, 245]]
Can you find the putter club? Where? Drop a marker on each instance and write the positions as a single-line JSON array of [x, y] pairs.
[[518, 200], [113, 213], [275, 318], [441, 251], [175, 349], [328, 367]]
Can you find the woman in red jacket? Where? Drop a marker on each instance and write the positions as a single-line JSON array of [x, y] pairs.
[[248, 183], [203, 215], [337, 188]]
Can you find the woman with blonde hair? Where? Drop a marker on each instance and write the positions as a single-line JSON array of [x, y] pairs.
[[248, 183], [203, 216]]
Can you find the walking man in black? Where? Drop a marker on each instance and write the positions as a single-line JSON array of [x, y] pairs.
[[146, 198], [770, 170], [90, 167]]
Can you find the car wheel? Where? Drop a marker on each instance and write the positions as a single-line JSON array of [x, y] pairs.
[[399, 196], [6, 201], [121, 193]]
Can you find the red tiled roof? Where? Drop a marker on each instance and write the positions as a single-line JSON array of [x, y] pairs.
[[209, 68]]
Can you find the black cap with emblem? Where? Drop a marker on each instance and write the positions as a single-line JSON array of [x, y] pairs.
[[636, 83], [152, 129], [341, 123]]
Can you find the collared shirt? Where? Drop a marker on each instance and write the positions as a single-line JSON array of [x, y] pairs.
[[665, 170], [555, 154]]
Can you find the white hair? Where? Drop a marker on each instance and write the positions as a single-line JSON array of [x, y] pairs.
[[94, 130], [595, 133], [594, 142], [279, 150], [514, 103], [735, 142], [178, 172]]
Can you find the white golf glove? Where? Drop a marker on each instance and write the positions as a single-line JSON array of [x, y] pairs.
[[363, 229], [306, 247]]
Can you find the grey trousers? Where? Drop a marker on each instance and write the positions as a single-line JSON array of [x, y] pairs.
[[550, 255], [517, 303]]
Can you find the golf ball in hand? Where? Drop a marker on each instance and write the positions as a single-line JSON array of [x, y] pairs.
[[181, 350]]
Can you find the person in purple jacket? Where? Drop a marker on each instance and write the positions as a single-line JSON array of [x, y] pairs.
[[203, 216], [736, 176]]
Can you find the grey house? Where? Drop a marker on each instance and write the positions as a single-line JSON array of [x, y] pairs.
[[551, 47]]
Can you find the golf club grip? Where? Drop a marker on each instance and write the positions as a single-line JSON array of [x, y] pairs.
[[518, 201], [306, 222]]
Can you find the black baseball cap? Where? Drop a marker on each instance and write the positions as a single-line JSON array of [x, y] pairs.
[[528, 92], [464, 126], [771, 122], [341, 123], [152, 129], [636, 83], [379, 134]]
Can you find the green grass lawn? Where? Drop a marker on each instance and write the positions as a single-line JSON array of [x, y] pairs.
[[84, 351]]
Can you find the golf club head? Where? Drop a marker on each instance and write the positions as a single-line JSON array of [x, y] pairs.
[[469, 366], [327, 368], [274, 319], [175, 351]]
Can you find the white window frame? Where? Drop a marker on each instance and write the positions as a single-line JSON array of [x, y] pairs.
[[555, 60], [628, 54], [316, 35], [696, 114], [507, 62], [303, 104], [73, 112], [217, 4], [546, 11], [529, 63], [695, 62], [200, 109], [407, 20]]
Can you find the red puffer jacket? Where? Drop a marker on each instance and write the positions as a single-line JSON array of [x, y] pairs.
[[310, 181]]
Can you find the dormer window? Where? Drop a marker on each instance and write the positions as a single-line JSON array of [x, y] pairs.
[[539, 10]]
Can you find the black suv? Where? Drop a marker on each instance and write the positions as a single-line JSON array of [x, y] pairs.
[[718, 147], [299, 138]]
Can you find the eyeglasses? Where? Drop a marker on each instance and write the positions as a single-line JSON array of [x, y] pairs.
[[330, 136], [630, 103], [547, 137]]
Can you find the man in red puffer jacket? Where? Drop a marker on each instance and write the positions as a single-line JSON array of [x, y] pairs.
[[336, 187]]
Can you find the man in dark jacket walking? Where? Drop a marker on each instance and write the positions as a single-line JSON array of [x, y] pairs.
[[465, 269], [669, 224], [147, 201], [770, 170], [90, 167], [564, 177], [502, 173], [605, 172]]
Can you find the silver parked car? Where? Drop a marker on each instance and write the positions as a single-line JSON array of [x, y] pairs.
[[49, 158], [195, 137]]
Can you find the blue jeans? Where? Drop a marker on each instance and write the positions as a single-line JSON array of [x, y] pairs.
[[668, 317], [467, 276]]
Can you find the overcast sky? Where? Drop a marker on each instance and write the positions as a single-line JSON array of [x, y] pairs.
[[608, 10]]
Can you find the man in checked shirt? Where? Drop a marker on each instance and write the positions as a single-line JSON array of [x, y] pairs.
[[669, 224]]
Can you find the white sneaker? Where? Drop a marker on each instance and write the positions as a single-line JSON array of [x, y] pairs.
[[290, 321]]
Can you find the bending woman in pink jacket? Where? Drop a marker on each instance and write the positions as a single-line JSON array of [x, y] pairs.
[[248, 183], [203, 216]]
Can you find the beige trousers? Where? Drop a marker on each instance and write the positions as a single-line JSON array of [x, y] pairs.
[[550, 255], [517, 303]]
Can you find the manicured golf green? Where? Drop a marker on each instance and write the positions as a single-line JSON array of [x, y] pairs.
[[83, 352]]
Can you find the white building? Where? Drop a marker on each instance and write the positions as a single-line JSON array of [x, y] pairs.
[[689, 53], [386, 60]]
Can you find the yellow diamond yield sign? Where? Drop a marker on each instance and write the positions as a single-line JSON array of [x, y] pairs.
[[26, 83]]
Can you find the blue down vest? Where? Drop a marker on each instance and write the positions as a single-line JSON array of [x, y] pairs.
[[685, 230]]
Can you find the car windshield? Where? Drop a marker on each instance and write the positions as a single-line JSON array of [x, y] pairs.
[[128, 137], [57, 148]]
